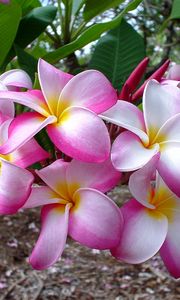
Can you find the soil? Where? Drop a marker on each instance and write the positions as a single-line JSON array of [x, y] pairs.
[[82, 273]]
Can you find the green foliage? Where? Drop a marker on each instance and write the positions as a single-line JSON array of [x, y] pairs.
[[94, 7], [76, 5], [27, 6], [90, 34], [175, 13], [10, 16], [33, 24], [26, 61], [117, 53]]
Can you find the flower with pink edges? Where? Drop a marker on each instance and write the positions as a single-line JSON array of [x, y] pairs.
[[68, 106], [15, 181], [151, 221], [74, 204], [155, 130]]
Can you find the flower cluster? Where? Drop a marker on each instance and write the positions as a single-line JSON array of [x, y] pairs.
[[72, 184]]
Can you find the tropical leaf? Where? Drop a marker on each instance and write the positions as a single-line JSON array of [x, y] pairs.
[[118, 53], [10, 16], [90, 34], [26, 61], [94, 7], [175, 13]]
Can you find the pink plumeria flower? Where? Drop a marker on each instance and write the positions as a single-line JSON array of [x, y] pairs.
[[151, 222], [68, 107], [12, 80], [173, 76], [15, 181], [74, 203], [155, 130], [4, 1]]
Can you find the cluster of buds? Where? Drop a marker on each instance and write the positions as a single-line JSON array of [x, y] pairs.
[[76, 111]]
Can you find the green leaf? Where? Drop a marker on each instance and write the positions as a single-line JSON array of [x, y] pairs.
[[118, 53], [76, 5], [175, 13], [27, 6], [31, 26], [34, 23], [90, 34], [94, 7], [10, 16], [26, 61]]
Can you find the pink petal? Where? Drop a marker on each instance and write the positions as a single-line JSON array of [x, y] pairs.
[[168, 166], [28, 154], [54, 176], [101, 176], [170, 130], [170, 249], [41, 195], [174, 73], [16, 78], [129, 154], [143, 233], [6, 106], [95, 220], [160, 102], [23, 128], [81, 134], [28, 99], [128, 116], [15, 187], [52, 239], [89, 89], [140, 182], [52, 82]]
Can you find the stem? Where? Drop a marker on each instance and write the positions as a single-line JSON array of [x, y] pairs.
[[61, 18], [78, 31]]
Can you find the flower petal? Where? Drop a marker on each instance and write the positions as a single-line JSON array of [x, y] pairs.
[[41, 195], [23, 128], [95, 220], [174, 72], [52, 239], [159, 98], [81, 134], [143, 233], [6, 106], [140, 182], [54, 176], [129, 154], [168, 166], [128, 116], [170, 249], [28, 154], [15, 187], [169, 132], [17, 78], [101, 176], [52, 82], [28, 99], [89, 89]]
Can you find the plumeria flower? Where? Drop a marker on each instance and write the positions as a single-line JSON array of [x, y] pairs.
[[68, 106], [4, 1], [173, 76], [74, 203], [12, 80], [15, 181], [155, 130], [151, 221]]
